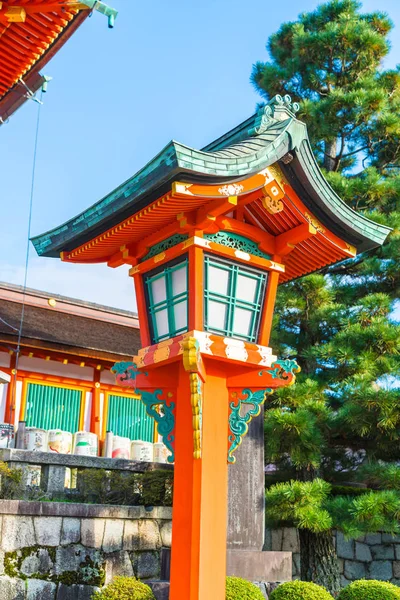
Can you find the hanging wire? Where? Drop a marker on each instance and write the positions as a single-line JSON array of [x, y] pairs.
[[21, 323]]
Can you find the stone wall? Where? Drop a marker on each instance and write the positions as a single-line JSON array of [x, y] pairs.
[[374, 556], [64, 551]]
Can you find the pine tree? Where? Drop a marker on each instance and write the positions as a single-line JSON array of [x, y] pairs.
[[343, 415]]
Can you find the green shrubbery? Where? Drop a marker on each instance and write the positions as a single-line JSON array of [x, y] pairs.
[[99, 486], [125, 588], [240, 588], [370, 590], [300, 590]]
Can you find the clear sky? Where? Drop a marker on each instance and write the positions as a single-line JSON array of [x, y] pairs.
[[169, 70]]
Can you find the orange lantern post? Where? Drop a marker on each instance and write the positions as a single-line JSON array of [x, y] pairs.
[[209, 236]]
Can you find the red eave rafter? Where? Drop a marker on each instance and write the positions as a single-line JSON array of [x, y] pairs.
[[319, 250], [29, 43]]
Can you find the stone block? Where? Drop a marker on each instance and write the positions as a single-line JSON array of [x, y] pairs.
[[48, 530], [75, 592], [290, 540], [363, 552], [113, 535], [267, 540], [373, 538], [68, 558], [382, 552], [354, 570], [92, 532], [71, 531], [38, 561], [343, 581], [53, 478], [166, 534], [71, 558], [2, 555], [117, 564], [149, 535], [341, 565], [262, 588], [147, 565], [396, 569], [276, 536], [37, 589], [397, 552], [295, 564], [387, 538], [18, 532], [131, 535], [344, 548], [160, 589], [381, 569], [12, 589]]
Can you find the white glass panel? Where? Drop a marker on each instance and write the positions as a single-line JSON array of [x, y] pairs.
[[180, 312], [162, 322], [218, 280], [216, 317], [246, 288], [158, 289], [242, 321], [179, 282]]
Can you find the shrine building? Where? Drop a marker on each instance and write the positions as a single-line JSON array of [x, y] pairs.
[[63, 379]]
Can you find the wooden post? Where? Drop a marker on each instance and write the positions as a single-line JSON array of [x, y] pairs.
[[95, 415], [198, 561]]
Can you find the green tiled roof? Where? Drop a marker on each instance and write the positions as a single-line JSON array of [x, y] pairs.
[[263, 139]]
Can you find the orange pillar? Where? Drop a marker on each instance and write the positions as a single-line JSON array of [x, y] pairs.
[[198, 561]]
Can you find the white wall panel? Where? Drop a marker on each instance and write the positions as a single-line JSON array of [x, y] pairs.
[[53, 367]]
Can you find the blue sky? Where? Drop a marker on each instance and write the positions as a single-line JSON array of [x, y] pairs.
[[169, 70]]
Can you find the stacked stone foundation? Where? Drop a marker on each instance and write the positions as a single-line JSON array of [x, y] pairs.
[[61, 551], [373, 556]]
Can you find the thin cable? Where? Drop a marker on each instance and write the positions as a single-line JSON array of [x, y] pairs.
[[8, 324], [21, 323]]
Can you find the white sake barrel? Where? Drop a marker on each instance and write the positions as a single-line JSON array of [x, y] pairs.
[[6, 435], [59, 442], [85, 443], [121, 447], [35, 439], [142, 451], [161, 452], [33, 475]]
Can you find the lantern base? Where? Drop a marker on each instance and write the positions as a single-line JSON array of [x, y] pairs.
[[252, 565]]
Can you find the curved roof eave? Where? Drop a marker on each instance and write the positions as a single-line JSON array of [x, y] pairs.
[[247, 149]]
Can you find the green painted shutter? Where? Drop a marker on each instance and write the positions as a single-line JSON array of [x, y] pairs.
[[127, 417], [51, 407]]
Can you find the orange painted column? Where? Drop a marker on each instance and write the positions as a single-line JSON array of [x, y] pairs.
[[95, 415], [198, 560]]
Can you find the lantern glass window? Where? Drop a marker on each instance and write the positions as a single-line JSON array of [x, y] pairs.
[[167, 296], [234, 296]]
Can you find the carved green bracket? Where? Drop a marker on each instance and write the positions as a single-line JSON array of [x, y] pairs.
[[238, 423], [236, 241], [164, 245], [283, 369], [126, 374]]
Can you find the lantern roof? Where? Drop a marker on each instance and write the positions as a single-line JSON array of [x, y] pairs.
[[272, 137], [32, 32]]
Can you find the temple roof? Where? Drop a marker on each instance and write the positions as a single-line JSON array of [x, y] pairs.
[[271, 136], [66, 325], [32, 31]]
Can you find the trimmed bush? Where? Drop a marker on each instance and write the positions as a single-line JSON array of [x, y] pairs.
[[240, 588], [300, 590], [370, 590], [125, 588]]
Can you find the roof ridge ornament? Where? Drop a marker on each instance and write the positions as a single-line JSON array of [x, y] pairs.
[[266, 115]]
